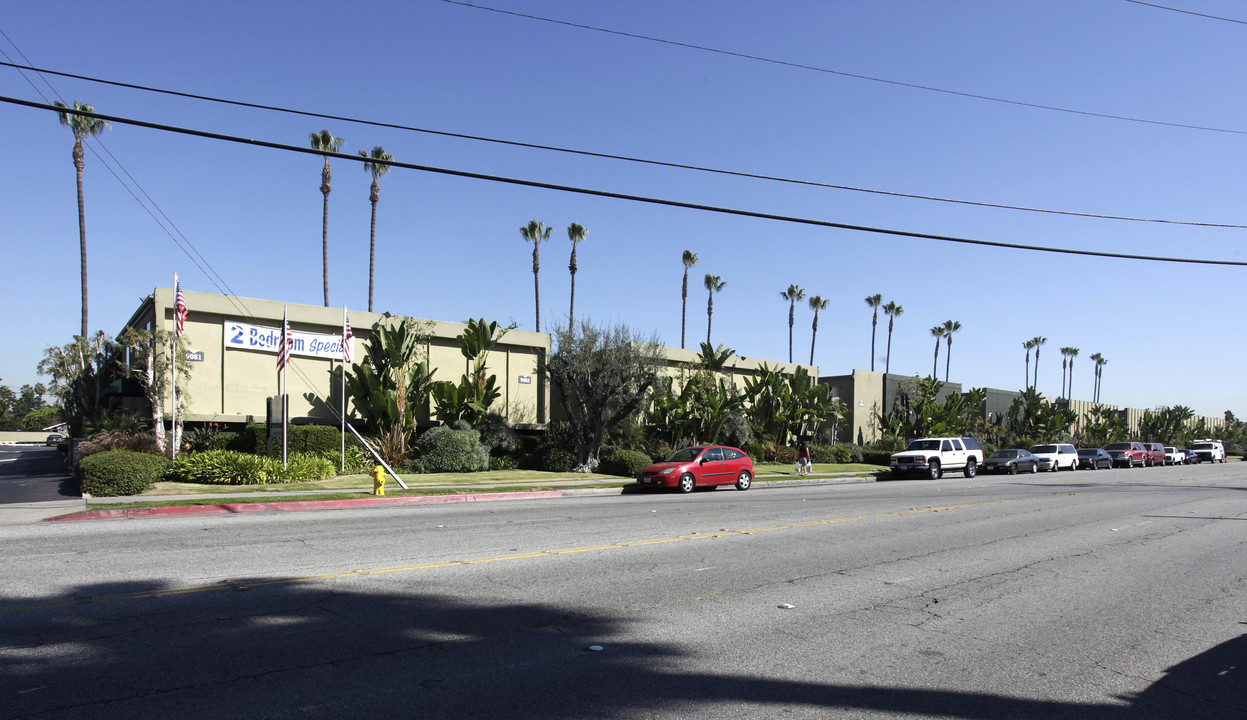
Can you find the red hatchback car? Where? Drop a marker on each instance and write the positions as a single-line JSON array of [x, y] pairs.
[[693, 466]]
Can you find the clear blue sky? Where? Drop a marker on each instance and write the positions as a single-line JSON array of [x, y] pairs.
[[450, 248]]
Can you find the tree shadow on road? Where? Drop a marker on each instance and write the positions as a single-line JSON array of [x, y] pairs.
[[279, 647]]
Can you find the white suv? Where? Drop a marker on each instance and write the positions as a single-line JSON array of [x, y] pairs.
[[932, 456], [1058, 456]]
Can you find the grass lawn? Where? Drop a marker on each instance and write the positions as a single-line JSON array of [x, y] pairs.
[[819, 469], [364, 482]]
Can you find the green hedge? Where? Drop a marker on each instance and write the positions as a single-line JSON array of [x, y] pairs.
[[114, 473], [231, 467], [876, 457], [625, 463]]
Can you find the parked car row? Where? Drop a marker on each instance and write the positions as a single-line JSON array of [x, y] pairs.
[[693, 467]]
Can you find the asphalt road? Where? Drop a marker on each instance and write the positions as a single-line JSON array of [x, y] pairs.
[[34, 483], [1108, 594]]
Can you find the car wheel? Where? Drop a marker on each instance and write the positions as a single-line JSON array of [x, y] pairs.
[[1056, 466], [1013, 469], [972, 468], [1129, 462], [1034, 468], [744, 480], [936, 472], [687, 483]]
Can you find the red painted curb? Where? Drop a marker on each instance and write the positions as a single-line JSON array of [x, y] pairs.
[[297, 506]]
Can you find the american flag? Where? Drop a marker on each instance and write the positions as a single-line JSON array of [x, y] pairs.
[[179, 315], [347, 336], [287, 340]]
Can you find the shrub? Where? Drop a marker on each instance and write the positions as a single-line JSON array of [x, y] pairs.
[[112, 473], [315, 439], [760, 452], [625, 463], [140, 442], [854, 450], [554, 458], [662, 452], [786, 455], [501, 462], [823, 454], [876, 457], [498, 436], [251, 439], [444, 449], [237, 468]]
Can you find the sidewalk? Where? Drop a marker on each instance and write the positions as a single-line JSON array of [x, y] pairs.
[[236, 503]]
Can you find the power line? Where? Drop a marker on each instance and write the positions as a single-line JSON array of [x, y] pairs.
[[623, 158], [620, 196], [1187, 12], [841, 73]]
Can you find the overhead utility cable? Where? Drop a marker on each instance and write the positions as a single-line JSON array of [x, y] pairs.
[[622, 196], [841, 73], [623, 158], [1187, 12]]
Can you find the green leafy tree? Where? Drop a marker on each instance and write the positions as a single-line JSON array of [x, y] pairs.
[[690, 259], [325, 142], [471, 398], [893, 311], [536, 233], [873, 302], [1103, 425], [29, 399], [378, 163], [40, 418], [391, 381], [81, 126], [80, 371], [714, 284], [602, 374], [792, 295], [577, 234], [817, 303], [149, 366]]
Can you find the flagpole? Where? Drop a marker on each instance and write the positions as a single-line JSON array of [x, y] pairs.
[[345, 354], [173, 360], [285, 410]]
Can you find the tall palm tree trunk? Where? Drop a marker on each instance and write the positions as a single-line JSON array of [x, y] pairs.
[[935, 364], [813, 337], [374, 196], [683, 306], [571, 311], [791, 310], [709, 315], [874, 323], [325, 177], [536, 289], [887, 363], [79, 162], [948, 356]]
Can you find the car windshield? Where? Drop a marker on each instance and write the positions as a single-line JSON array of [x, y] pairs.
[[1202, 446], [1118, 446], [1005, 454], [685, 455], [1044, 448], [924, 445]]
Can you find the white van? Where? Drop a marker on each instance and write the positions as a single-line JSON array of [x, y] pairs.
[[1208, 450], [1056, 456]]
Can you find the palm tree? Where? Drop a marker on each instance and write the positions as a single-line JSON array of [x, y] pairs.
[[792, 295], [893, 311], [690, 259], [325, 142], [1029, 345], [1099, 374], [937, 332], [1065, 361], [950, 327], [378, 165], [577, 234], [536, 233], [713, 284], [1095, 378], [1073, 353], [81, 126], [816, 303], [1039, 341], [873, 302]]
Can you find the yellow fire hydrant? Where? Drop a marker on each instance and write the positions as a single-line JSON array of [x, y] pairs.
[[378, 480]]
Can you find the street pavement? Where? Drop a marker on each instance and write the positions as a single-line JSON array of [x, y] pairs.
[[34, 484], [1107, 595]]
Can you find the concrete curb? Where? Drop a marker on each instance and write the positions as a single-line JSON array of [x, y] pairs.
[[236, 508]]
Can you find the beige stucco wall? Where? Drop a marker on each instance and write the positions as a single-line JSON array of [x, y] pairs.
[[232, 384]]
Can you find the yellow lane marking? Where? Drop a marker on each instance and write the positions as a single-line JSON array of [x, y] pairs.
[[248, 584]]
